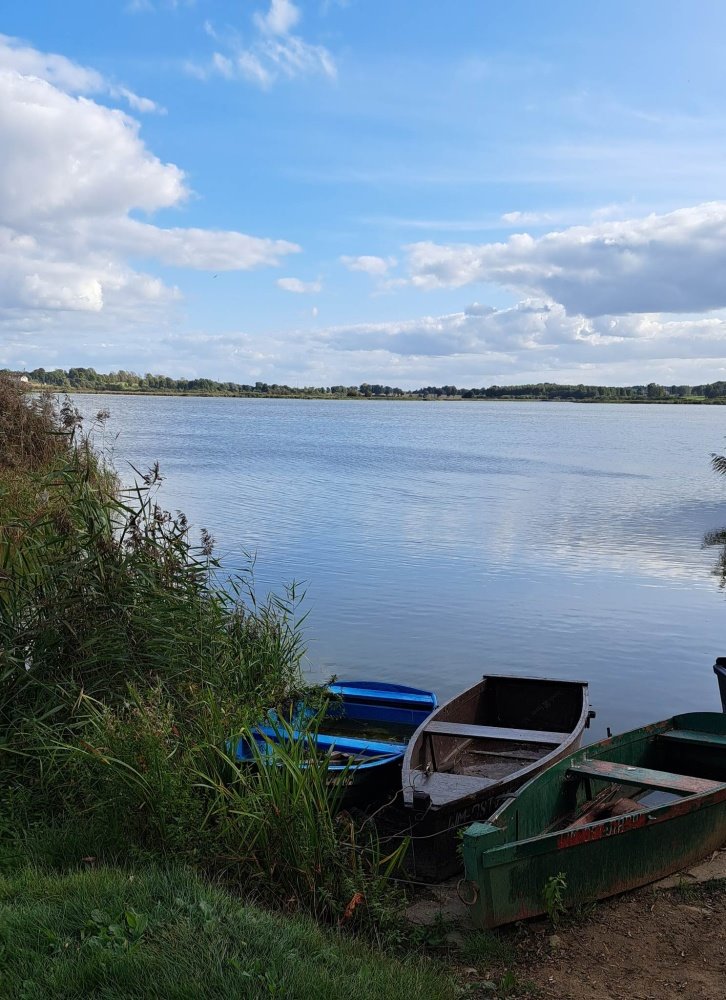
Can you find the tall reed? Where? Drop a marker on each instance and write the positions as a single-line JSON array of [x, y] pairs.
[[129, 666]]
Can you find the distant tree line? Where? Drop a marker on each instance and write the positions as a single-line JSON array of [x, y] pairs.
[[126, 381]]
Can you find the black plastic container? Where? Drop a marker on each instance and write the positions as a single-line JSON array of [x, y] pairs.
[[719, 668]]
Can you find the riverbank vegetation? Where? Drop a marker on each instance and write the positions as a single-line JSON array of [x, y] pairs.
[[162, 932], [129, 668], [89, 380]]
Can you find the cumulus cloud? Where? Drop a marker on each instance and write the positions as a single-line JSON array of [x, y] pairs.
[[299, 287], [528, 326], [532, 341], [66, 157], [203, 249], [44, 289], [275, 52], [542, 340], [480, 345], [376, 267], [663, 263], [71, 173], [65, 74]]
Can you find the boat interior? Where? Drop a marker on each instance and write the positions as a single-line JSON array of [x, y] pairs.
[[495, 729], [342, 749], [366, 714], [653, 767]]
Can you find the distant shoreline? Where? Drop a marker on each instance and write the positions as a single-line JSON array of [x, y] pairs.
[[202, 394], [127, 383]]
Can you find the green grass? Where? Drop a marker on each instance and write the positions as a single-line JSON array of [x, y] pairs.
[[489, 948], [111, 934]]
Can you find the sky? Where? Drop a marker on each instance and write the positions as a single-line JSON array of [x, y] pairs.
[[328, 192]]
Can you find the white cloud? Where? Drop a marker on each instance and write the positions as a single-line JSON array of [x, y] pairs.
[[65, 74], [280, 18], [478, 330], [299, 287], [39, 283], [144, 105], [526, 218], [71, 172], [275, 52], [148, 6], [661, 263], [67, 157], [508, 220], [249, 66], [530, 342], [538, 341], [376, 267]]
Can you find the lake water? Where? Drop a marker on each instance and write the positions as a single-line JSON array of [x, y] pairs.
[[441, 541]]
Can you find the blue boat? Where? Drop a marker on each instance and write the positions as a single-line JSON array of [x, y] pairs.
[[375, 701], [369, 761]]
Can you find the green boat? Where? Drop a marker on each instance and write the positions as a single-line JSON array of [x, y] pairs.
[[613, 816]]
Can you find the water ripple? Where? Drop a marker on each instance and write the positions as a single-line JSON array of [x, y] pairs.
[[440, 541]]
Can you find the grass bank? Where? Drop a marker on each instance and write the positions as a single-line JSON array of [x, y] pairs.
[[161, 932]]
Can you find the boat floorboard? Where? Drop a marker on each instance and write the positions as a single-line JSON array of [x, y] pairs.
[[448, 786]]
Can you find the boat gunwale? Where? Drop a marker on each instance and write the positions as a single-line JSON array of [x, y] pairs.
[[521, 776], [377, 758], [556, 841], [566, 838], [363, 691]]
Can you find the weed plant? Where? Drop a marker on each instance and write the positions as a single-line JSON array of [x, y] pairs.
[[33, 432], [553, 896], [129, 669]]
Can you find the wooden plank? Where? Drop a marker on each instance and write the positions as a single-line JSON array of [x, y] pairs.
[[644, 777], [464, 731], [506, 754], [697, 737], [447, 786]]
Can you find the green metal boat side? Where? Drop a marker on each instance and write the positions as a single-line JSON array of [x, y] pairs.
[[509, 859], [703, 739]]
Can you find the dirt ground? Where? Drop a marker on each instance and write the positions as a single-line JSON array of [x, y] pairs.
[[662, 941], [648, 945]]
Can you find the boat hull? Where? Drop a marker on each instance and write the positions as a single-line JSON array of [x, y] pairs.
[[387, 704], [438, 804], [434, 835], [506, 873], [374, 772]]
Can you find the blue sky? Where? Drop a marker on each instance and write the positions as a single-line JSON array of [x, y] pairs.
[[401, 192]]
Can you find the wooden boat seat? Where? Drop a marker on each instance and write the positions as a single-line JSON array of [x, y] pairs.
[[695, 737], [644, 777], [464, 731]]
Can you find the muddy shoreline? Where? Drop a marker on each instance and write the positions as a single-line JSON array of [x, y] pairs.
[[665, 940]]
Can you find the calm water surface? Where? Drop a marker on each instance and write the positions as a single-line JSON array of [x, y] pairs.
[[440, 541]]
